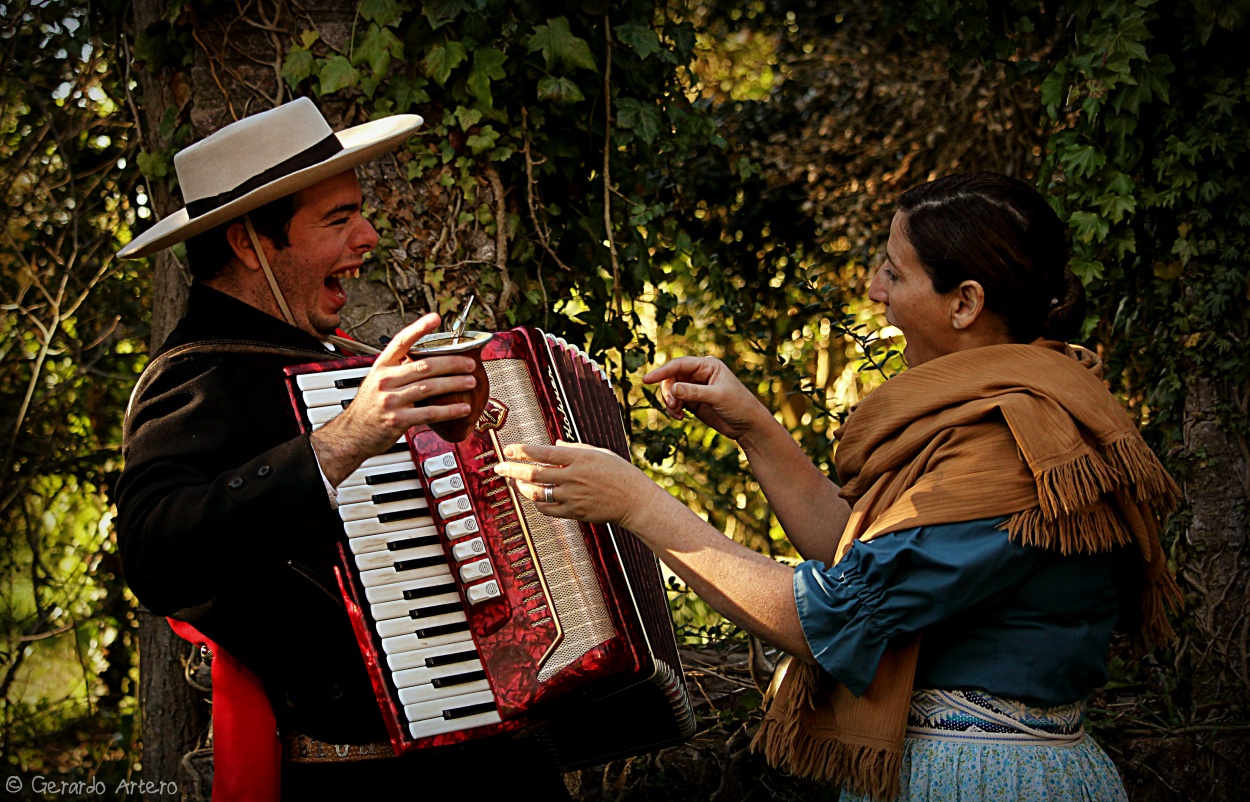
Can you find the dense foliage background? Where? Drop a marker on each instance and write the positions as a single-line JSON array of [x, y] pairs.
[[647, 179]]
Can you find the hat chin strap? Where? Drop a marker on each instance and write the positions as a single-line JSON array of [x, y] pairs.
[[264, 265]]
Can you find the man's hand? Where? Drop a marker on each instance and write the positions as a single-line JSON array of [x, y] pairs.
[[391, 401]]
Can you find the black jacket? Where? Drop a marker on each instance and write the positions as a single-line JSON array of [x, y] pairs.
[[221, 507]]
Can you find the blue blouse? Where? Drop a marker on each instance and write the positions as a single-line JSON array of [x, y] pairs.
[[1017, 621]]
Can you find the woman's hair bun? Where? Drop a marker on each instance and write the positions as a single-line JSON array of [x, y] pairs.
[[1067, 313]]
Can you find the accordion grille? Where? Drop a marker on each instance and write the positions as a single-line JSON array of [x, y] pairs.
[[559, 545]]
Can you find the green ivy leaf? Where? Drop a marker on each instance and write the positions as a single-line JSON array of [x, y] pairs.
[[440, 60], [336, 73], [307, 38], [1054, 88], [483, 140], [639, 37], [558, 43], [297, 66], [487, 64], [440, 12], [153, 165], [383, 107], [1089, 227], [417, 167], [642, 118], [466, 117], [385, 13], [559, 90], [407, 93], [1087, 270], [377, 48], [1083, 160], [168, 124]]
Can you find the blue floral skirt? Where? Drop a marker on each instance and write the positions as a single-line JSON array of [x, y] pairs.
[[969, 746]]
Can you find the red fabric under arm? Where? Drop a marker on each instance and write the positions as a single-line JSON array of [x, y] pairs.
[[247, 756]]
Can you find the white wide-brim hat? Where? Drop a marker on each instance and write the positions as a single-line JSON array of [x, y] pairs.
[[262, 158]]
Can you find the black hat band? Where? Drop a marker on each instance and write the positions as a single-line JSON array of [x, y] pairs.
[[308, 157]]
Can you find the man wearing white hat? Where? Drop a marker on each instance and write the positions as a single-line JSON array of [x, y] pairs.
[[225, 511]]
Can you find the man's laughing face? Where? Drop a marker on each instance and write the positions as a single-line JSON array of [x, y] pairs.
[[328, 241]]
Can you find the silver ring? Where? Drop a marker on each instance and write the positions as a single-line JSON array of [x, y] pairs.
[[549, 494]]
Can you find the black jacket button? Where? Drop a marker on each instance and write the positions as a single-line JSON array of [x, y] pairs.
[[236, 482], [262, 470]]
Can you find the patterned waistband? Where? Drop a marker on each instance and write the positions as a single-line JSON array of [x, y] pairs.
[[978, 717], [300, 748]]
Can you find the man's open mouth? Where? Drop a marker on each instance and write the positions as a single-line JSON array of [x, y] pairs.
[[334, 285]]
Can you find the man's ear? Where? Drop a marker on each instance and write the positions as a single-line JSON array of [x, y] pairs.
[[241, 244], [967, 304]]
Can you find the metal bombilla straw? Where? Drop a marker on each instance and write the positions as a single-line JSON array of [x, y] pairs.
[[457, 328]]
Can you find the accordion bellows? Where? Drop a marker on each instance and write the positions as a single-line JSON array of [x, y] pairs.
[[476, 614]]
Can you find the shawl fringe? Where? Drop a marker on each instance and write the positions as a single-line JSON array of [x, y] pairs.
[[1092, 531], [1144, 474], [1160, 596], [1074, 484], [783, 734], [873, 771]]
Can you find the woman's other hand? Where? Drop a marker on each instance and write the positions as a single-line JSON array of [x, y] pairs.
[[703, 385], [583, 482]]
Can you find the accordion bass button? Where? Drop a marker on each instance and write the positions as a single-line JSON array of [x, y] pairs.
[[482, 592], [461, 527], [475, 570], [446, 485], [468, 548], [452, 507], [437, 466]]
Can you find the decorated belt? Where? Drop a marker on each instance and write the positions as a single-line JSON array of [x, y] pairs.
[[300, 748], [979, 717]]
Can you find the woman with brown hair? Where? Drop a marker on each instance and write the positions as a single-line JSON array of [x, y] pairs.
[[999, 516]]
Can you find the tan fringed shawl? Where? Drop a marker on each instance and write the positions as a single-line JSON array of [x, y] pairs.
[[1022, 430]]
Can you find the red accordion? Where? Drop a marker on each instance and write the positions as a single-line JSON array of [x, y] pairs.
[[478, 615]]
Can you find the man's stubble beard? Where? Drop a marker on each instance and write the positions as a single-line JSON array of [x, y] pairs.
[[284, 272]]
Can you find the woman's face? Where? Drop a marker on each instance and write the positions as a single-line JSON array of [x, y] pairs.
[[911, 303]]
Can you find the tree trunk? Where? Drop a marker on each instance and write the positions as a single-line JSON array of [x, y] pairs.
[[1217, 573], [175, 720], [1208, 754]]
